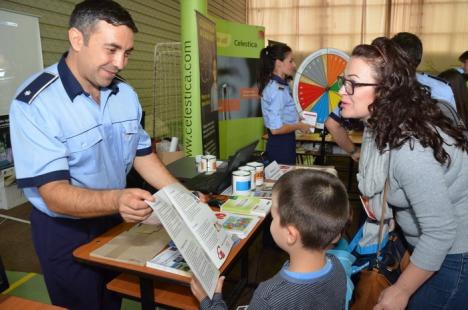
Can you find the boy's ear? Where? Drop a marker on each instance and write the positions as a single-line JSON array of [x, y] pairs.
[[337, 238], [293, 235]]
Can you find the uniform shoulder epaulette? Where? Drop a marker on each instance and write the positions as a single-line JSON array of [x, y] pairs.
[[280, 87], [30, 92], [437, 78]]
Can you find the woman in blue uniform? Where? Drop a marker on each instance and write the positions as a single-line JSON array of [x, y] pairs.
[[279, 110]]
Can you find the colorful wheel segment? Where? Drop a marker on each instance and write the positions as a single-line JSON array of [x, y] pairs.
[[315, 83]]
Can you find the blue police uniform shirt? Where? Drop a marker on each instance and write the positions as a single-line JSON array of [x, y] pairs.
[[59, 132], [439, 90], [278, 106]]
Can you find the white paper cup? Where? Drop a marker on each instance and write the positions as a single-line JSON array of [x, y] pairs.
[[241, 183], [252, 172], [210, 161], [259, 177]]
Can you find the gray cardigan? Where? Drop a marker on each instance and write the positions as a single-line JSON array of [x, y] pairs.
[[431, 202]]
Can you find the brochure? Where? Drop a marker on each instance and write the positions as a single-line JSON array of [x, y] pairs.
[[136, 245], [274, 171], [310, 118], [236, 224], [193, 228], [247, 205], [170, 260]]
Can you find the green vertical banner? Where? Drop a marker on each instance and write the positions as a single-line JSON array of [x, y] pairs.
[[238, 51], [190, 75], [208, 84]]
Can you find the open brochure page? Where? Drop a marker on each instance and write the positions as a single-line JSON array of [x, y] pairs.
[[236, 224], [195, 256], [273, 171], [201, 220]]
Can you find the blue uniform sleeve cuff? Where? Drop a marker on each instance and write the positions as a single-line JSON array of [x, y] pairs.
[[143, 152], [43, 179], [216, 303], [336, 117]]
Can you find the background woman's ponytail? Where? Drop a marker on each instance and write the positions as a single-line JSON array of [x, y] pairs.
[[268, 56]]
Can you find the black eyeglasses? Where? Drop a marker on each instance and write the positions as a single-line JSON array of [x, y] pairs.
[[350, 85]]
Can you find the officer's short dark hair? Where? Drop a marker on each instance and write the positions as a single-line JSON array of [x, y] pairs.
[[411, 45], [315, 203], [463, 57], [89, 12]]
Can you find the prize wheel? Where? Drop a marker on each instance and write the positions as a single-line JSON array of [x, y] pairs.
[[315, 85]]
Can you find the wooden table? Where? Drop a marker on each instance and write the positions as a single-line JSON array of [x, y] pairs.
[[355, 136], [8, 302], [158, 287]]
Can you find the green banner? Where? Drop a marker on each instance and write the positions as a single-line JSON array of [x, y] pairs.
[[208, 84], [190, 75], [238, 49], [239, 40]]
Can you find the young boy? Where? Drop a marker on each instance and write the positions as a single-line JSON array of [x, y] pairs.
[[309, 211]]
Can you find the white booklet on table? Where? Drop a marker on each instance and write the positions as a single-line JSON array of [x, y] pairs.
[[193, 228]]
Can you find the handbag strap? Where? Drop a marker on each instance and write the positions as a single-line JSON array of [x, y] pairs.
[[382, 218]]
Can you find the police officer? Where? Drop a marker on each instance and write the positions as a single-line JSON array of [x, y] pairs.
[[75, 131], [412, 46], [279, 110]]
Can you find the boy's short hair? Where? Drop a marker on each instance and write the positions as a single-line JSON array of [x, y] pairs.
[[88, 13], [315, 203]]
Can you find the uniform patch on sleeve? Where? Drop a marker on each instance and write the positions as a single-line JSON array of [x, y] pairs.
[[30, 92]]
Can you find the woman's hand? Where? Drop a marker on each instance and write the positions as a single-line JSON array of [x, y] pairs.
[[392, 298], [304, 127]]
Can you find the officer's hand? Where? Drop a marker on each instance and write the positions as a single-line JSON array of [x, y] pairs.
[[304, 127], [132, 206]]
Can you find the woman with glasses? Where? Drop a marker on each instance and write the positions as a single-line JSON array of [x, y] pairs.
[[410, 145], [279, 110]]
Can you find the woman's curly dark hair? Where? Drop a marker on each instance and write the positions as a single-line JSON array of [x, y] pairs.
[[403, 109]]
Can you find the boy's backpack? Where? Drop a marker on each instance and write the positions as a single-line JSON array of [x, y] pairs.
[[451, 113]]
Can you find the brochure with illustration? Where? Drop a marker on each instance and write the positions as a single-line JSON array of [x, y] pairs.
[[247, 205], [236, 224], [170, 260], [193, 228]]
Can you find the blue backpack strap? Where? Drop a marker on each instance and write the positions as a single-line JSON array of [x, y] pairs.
[[354, 243], [30, 92]]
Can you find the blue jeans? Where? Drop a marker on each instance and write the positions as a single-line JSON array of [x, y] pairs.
[[447, 288]]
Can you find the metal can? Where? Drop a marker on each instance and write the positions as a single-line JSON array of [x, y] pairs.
[[210, 163], [241, 183], [259, 177], [252, 172], [201, 164]]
